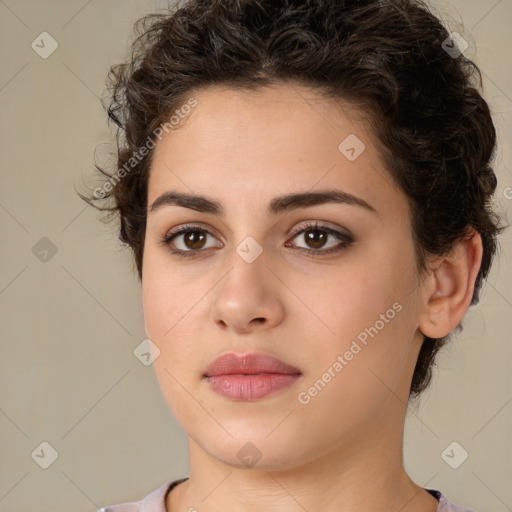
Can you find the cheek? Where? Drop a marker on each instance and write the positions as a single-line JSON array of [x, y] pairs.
[[171, 307], [163, 313], [352, 381], [162, 294], [363, 318], [167, 317], [346, 302]]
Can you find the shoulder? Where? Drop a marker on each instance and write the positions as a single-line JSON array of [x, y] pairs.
[[445, 505], [153, 502], [133, 506]]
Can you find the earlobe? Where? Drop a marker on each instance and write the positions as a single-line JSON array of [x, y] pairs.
[[451, 286]]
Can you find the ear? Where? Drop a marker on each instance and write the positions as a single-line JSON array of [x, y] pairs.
[[449, 288]]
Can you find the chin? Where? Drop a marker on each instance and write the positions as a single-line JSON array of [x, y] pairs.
[[254, 450]]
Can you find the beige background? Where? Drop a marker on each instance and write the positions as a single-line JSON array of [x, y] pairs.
[[69, 326]]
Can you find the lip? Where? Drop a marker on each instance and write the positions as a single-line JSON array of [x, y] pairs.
[[249, 377]]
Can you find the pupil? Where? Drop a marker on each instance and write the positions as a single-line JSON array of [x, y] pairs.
[[191, 236], [317, 240]]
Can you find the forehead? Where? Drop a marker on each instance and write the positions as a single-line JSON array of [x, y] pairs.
[[272, 140]]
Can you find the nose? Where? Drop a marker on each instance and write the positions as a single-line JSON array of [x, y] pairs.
[[249, 297]]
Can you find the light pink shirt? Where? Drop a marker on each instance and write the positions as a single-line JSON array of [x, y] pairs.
[[155, 501]]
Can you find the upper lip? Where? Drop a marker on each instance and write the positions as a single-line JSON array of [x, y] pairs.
[[250, 364]]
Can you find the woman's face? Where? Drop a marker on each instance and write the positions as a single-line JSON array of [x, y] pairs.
[[343, 316]]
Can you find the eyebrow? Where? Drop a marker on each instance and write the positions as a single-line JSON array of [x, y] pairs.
[[277, 205]]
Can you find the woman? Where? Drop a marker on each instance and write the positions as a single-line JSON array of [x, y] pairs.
[[306, 190]]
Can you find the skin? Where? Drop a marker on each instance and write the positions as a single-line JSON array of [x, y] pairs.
[[343, 449]]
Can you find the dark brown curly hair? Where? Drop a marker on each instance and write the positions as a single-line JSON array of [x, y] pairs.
[[386, 57]]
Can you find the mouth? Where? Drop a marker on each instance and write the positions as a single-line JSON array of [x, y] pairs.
[[249, 377]]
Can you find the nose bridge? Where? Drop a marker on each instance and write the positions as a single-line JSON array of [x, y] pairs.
[[247, 263], [250, 250], [248, 232], [249, 246]]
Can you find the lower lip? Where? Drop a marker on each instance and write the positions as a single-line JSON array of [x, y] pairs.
[[250, 387]]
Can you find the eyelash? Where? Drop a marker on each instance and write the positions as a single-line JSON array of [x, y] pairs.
[[308, 226]]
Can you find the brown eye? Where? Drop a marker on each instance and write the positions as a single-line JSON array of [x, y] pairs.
[[194, 239], [188, 240], [316, 237], [191, 241]]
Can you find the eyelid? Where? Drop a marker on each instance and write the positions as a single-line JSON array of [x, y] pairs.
[[320, 225], [188, 227]]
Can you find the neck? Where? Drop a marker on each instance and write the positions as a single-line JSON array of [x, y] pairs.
[[364, 472]]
